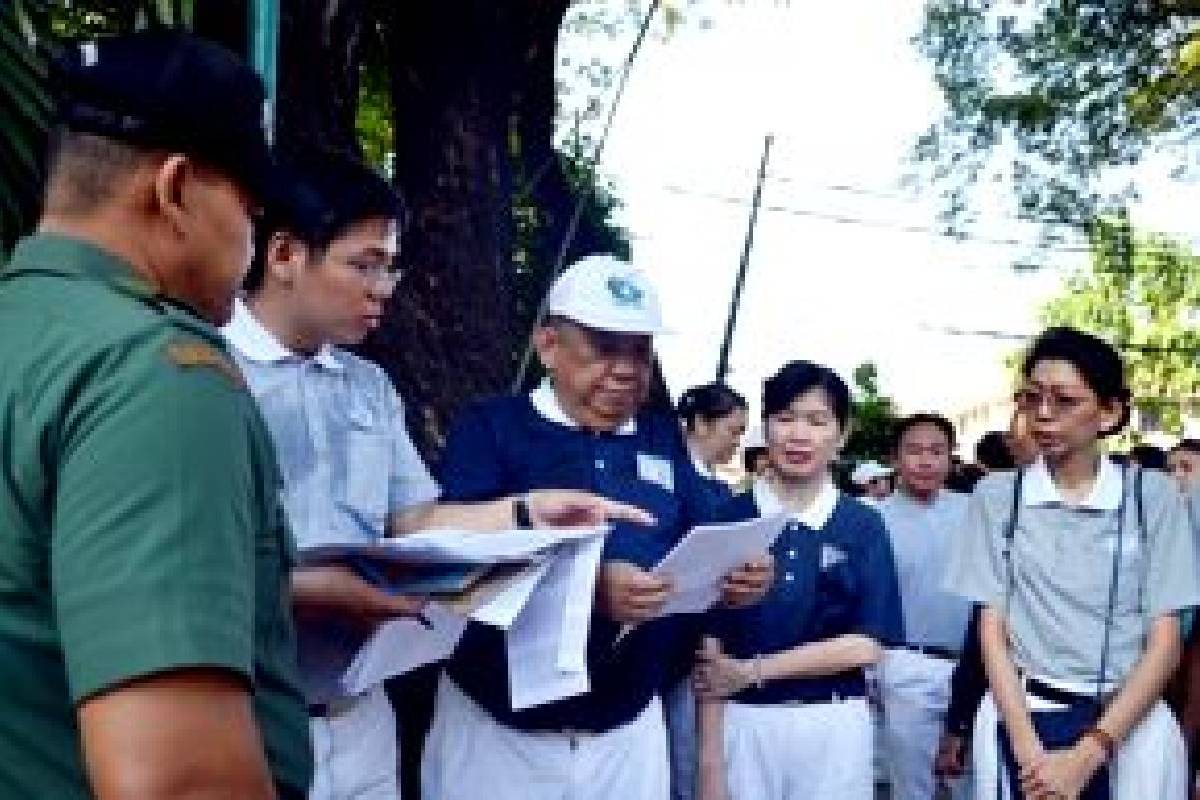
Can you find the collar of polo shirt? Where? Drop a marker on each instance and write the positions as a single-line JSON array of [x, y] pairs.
[[545, 402], [815, 516], [1039, 489], [256, 343]]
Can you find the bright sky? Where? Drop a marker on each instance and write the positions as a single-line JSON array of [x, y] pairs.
[[845, 94]]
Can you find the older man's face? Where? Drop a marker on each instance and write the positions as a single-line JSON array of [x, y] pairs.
[[601, 378]]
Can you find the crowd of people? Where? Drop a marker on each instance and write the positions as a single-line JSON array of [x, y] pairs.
[[181, 413]]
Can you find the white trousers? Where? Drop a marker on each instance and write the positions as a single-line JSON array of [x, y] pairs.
[[915, 690], [1151, 764], [817, 752], [469, 756], [354, 749]]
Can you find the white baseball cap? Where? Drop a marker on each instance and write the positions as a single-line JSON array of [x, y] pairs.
[[754, 438], [868, 471], [608, 294]]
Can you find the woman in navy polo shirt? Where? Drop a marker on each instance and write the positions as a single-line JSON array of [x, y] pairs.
[[796, 722], [714, 421]]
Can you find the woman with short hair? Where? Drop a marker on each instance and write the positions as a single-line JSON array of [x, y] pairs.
[[1082, 568]]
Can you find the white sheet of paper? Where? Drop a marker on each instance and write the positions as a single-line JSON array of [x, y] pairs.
[[502, 609], [454, 546], [700, 561], [403, 645], [577, 613], [552, 629]]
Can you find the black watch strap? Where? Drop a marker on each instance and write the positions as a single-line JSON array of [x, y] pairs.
[[521, 513]]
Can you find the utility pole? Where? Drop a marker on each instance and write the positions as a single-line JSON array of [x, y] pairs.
[[739, 284]]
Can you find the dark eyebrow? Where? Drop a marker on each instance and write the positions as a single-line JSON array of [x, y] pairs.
[[375, 253]]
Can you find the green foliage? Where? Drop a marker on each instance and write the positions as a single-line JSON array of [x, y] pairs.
[[375, 118], [1140, 293], [874, 418], [1077, 88]]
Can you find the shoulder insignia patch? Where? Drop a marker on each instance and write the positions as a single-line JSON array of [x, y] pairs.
[[195, 353]]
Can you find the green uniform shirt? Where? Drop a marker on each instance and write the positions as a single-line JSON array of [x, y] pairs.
[[140, 523]]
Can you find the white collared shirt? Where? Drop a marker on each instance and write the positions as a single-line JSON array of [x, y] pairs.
[[545, 402], [1039, 489], [702, 468], [815, 516], [339, 434], [256, 343]]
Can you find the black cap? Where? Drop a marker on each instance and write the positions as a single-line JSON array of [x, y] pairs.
[[169, 90]]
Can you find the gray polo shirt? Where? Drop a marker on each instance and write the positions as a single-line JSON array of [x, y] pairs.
[[922, 535], [347, 461], [338, 427], [1062, 560]]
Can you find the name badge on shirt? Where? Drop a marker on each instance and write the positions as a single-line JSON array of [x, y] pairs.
[[653, 469], [831, 556]]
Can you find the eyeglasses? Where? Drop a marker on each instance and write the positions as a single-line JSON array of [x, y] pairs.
[[374, 274], [1060, 404]]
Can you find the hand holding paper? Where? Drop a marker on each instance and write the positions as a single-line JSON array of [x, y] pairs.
[[749, 582], [627, 593], [699, 564]]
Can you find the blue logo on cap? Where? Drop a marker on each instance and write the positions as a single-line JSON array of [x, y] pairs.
[[624, 291]]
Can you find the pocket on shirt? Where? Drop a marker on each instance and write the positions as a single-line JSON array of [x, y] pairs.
[[1091, 570], [365, 491]]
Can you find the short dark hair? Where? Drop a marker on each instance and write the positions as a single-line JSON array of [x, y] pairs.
[[1187, 445], [964, 478], [1147, 456], [85, 170], [797, 378], [330, 191], [917, 420], [749, 456], [1096, 360], [709, 402], [992, 451]]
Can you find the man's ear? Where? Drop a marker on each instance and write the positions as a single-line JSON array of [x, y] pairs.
[[170, 189], [546, 344], [286, 255], [845, 437], [1112, 417]]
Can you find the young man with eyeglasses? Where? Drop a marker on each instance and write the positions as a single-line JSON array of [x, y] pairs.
[[325, 267]]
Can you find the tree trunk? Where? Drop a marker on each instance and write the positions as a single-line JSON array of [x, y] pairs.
[[461, 76], [320, 53]]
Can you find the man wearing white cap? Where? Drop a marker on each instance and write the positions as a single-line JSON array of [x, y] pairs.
[[350, 472], [873, 479], [581, 429]]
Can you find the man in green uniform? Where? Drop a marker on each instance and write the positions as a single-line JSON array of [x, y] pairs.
[[145, 639]]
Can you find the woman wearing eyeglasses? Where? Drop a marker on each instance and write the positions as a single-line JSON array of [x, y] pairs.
[[1081, 567]]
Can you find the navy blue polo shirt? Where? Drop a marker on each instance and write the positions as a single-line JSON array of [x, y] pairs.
[[505, 446], [717, 493], [835, 580]]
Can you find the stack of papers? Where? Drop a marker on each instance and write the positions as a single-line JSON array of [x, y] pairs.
[[536, 585]]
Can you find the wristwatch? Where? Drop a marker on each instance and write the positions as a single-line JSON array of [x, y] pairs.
[[521, 512]]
